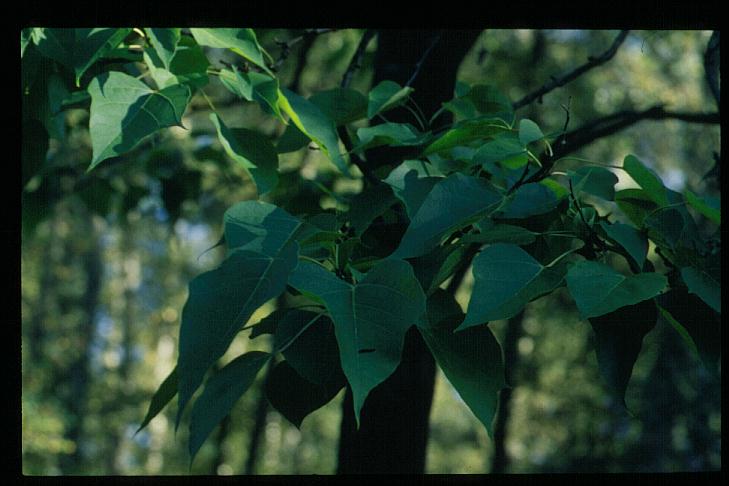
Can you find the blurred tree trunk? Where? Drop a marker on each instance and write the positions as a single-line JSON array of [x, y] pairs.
[[393, 432], [78, 371], [514, 330]]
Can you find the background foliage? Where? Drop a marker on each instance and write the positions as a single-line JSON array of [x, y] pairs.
[[105, 273]]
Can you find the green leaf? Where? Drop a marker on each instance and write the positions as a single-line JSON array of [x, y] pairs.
[[308, 343], [124, 111], [260, 227], [268, 324], [455, 202], [529, 132], [78, 49], [166, 391], [529, 200], [393, 134], [500, 233], [506, 278], [241, 41], [598, 289], [222, 390], [597, 181], [706, 283], [411, 182], [295, 397], [188, 65], [164, 42], [471, 360], [222, 300], [385, 96], [634, 242], [709, 207], [635, 204], [368, 205], [253, 86], [504, 146], [618, 340], [292, 140], [481, 99], [697, 323], [370, 318], [252, 150], [465, 132], [646, 179], [314, 124], [435, 267], [341, 105]]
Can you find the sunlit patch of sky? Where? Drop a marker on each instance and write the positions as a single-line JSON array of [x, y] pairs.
[[198, 238], [565, 34]]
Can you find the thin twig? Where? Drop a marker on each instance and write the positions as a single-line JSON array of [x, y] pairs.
[[556, 82], [287, 45], [610, 124], [422, 59], [356, 61]]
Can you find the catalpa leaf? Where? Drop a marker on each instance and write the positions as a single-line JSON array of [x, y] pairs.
[[598, 289], [471, 359], [341, 105], [706, 283], [618, 340], [499, 233], [529, 132], [506, 278], [709, 207], [454, 202], [697, 323], [529, 200], [504, 146], [370, 318], [77, 49], [368, 205], [124, 111], [241, 41], [646, 179], [222, 390], [466, 132], [635, 204], [597, 181], [314, 124], [411, 182], [252, 150], [295, 397], [634, 242], [164, 42], [393, 134], [253, 86], [188, 65], [263, 252], [164, 394], [385, 96]]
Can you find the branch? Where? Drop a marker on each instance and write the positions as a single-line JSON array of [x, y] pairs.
[[286, 46], [422, 59], [711, 65], [356, 61], [592, 62], [608, 125]]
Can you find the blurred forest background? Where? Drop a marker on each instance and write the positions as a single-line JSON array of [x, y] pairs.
[[107, 256]]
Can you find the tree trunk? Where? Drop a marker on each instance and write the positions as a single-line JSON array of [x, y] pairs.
[[500, 460], [393, 432]]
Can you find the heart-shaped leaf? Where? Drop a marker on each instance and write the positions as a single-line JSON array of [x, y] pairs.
[[619, 337], [454, 202], [598, 289], [506, 278], [222, 390], [385, 96], [241, 41], [164, 394], [634, 242], [124, 111], [370, 318], [252, 150], [471, 359]]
